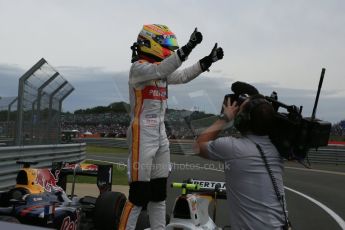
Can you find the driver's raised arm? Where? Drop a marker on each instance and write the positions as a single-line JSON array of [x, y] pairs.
[[142, 70]]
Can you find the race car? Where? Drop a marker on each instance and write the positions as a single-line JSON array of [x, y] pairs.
[[39, 198], [190, 211]]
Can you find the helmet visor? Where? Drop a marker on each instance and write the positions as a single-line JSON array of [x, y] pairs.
[[167, 41]]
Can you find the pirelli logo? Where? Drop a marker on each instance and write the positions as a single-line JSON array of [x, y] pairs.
[[155, 93]]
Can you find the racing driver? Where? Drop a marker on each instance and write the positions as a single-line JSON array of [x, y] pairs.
[[155, 65]]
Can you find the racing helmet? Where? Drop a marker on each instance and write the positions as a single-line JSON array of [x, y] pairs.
[[156, 42]]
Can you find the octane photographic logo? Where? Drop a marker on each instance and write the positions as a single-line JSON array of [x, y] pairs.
[[47, 180]]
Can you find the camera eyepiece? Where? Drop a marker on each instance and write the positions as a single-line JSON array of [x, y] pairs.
[[241, 98]]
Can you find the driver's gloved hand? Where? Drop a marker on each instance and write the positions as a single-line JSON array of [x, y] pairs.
[[195, 39], [215, 55]]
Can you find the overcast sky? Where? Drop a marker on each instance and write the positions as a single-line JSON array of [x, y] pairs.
[[275, 45]]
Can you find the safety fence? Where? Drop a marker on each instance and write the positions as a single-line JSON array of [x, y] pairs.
[[33, 117], [8, 116], [41, 92], [45, 155], [6, 142], [332, 154]]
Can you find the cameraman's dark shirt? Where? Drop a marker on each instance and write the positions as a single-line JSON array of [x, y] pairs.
[[252, 201]]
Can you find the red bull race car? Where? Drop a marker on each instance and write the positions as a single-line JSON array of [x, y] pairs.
[[39, 198]]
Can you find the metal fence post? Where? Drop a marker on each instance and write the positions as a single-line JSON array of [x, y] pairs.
[[19, 122]]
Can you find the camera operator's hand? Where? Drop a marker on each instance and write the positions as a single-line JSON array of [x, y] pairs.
[[215, 55], [195, 39], [230, 110]]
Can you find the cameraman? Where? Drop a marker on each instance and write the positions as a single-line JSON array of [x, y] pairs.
[[252, 198]]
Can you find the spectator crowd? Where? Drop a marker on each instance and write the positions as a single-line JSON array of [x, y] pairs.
[[177, 123], [180, 124]]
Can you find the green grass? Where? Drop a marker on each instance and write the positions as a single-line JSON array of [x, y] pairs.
[[337, 138], [119, 175], [104, 150]]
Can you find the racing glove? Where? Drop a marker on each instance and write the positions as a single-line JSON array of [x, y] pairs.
[[215, 55], [194, 40]]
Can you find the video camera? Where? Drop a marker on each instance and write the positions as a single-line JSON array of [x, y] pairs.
[[241, 91], [293, 135]]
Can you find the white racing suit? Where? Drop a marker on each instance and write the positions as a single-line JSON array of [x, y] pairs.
[[149, 155]]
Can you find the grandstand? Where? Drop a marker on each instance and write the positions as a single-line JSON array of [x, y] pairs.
[[114, 122], [338, 131]]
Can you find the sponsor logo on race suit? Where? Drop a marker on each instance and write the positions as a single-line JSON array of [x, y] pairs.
[[155, 93], [151, 120]]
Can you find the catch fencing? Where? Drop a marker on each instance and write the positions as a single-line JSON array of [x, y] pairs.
[[41, 92], [8, 115]]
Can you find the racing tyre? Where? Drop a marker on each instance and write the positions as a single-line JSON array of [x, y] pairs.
[[108, 210]]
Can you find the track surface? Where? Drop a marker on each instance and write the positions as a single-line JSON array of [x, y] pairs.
[[315, 198]]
